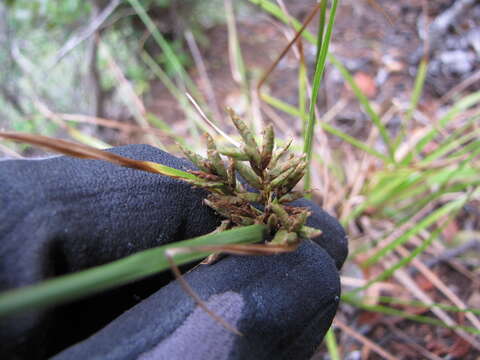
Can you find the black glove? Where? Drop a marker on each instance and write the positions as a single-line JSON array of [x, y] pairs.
[[60, 215]]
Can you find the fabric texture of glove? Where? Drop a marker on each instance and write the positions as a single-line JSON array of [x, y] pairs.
[[60, 215]]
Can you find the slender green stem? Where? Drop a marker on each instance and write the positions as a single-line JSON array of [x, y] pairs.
[[134, 267], [317, 78]]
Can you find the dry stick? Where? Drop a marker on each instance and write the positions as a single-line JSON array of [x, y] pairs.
[[207, 120], [447, 255], [232, 32], [85, 33], [9, 152], [357, 283], [402, 276], [399, 230], [348, 330], [298, 51], [202, 69], [473, 79], [282, 54], [112, 124], [427, 354], [380, 9], [73, 132], [361, 175], [440, 249], [141, 116], [440, 286]]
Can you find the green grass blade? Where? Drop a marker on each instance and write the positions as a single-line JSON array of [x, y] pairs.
[[352, 141], [281, 105], [460, 106], [317, 78], [404, 261], [366, 106], [419, 226], [418, 88], [456, 139], [419, 304], [172, 172], [350, 299], [302, 94], [332, 345], [321, 26], [414, 100], [134, 267], [277, 12], [167, 50], [293, 111], [87, 139], [174, 91]]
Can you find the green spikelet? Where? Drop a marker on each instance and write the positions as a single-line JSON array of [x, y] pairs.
[[273, 174], [249, 175], [214, 157], [250, 146], [196, 159], [267, 146], [232, 152]]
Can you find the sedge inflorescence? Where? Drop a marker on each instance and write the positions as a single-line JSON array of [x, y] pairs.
[[271, 174]]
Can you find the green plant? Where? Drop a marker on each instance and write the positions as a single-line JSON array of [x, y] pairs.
[[273, 179]]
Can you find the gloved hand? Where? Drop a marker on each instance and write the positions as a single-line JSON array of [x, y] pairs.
[[59, 215]]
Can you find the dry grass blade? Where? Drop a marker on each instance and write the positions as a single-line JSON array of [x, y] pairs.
[[364, 340], [242, 249], [440, 285], [410, 284], [87, 152], [10, 153], [290, 44]]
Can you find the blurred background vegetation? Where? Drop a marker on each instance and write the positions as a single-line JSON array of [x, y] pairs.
[[396, 146]]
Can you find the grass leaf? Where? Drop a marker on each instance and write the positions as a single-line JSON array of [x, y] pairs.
[[317, 78], [131, 268]]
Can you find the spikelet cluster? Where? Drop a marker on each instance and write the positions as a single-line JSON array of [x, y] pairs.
[[270, 172]]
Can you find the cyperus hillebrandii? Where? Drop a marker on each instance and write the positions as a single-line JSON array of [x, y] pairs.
[[270, 175]]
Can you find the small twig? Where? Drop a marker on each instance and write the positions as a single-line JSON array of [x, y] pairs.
[[285, 50], [440, 285], [402, 277], [9, 152], [141, 112], [359, 337], [473, 79], [86, 32], [202, 70], [453, 253], [409, 341], [440, 25], [112, 124], [207, 120]]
